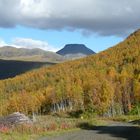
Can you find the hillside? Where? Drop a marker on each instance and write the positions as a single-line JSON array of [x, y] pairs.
[[12, 53], [107, 83], [73, 51], [12, 68]]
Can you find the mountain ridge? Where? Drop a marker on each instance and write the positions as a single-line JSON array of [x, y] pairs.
[[36, 54]]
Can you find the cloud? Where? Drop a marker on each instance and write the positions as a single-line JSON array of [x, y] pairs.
[[9, 13], [2, 43], [30, 44], [108, 17]]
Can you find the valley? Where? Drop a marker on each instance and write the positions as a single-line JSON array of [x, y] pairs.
[[104, 85], [96, 83]]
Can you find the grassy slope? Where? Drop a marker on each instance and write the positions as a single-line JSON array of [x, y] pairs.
[[12, 53]]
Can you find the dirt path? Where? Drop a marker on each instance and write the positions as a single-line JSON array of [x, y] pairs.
[[114, 131]]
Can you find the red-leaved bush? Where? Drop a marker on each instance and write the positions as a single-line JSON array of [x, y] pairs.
[[4, 129]]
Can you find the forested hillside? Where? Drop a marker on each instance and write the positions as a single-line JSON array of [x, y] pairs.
[[107, 83]]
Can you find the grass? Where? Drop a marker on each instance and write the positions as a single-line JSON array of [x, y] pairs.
[[45, 125], [24, 136], [17, 136], [125, 118]]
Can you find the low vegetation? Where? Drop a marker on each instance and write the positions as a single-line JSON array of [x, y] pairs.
[[44, 126], [52, 125]]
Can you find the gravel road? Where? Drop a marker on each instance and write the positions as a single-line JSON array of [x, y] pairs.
[[114, 131]]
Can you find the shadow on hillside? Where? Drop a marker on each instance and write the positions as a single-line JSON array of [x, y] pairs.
[[127, 132], [12, 68]]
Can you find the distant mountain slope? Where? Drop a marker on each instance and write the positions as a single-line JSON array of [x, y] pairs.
[[9, 51], [15, 61], [75, 51], [11, 68], [12, 53]]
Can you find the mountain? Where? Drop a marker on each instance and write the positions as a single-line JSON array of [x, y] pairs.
[[15, 61], [12, 53], [75, 51], [70, 51], [106, 84]]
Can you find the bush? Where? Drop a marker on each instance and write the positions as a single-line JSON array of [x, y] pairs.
[[135, 110]]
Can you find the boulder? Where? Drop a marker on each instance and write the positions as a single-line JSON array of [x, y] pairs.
[[15, 118]]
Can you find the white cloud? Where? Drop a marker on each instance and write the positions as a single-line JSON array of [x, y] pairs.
[[2, 43], [30, 44], [105, 17]]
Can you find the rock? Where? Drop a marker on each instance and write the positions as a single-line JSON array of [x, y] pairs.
[[15, 118]]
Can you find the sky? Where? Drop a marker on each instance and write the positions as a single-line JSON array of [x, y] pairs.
[[50, 24]]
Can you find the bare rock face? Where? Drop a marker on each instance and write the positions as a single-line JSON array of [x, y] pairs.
[[15, 118]]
